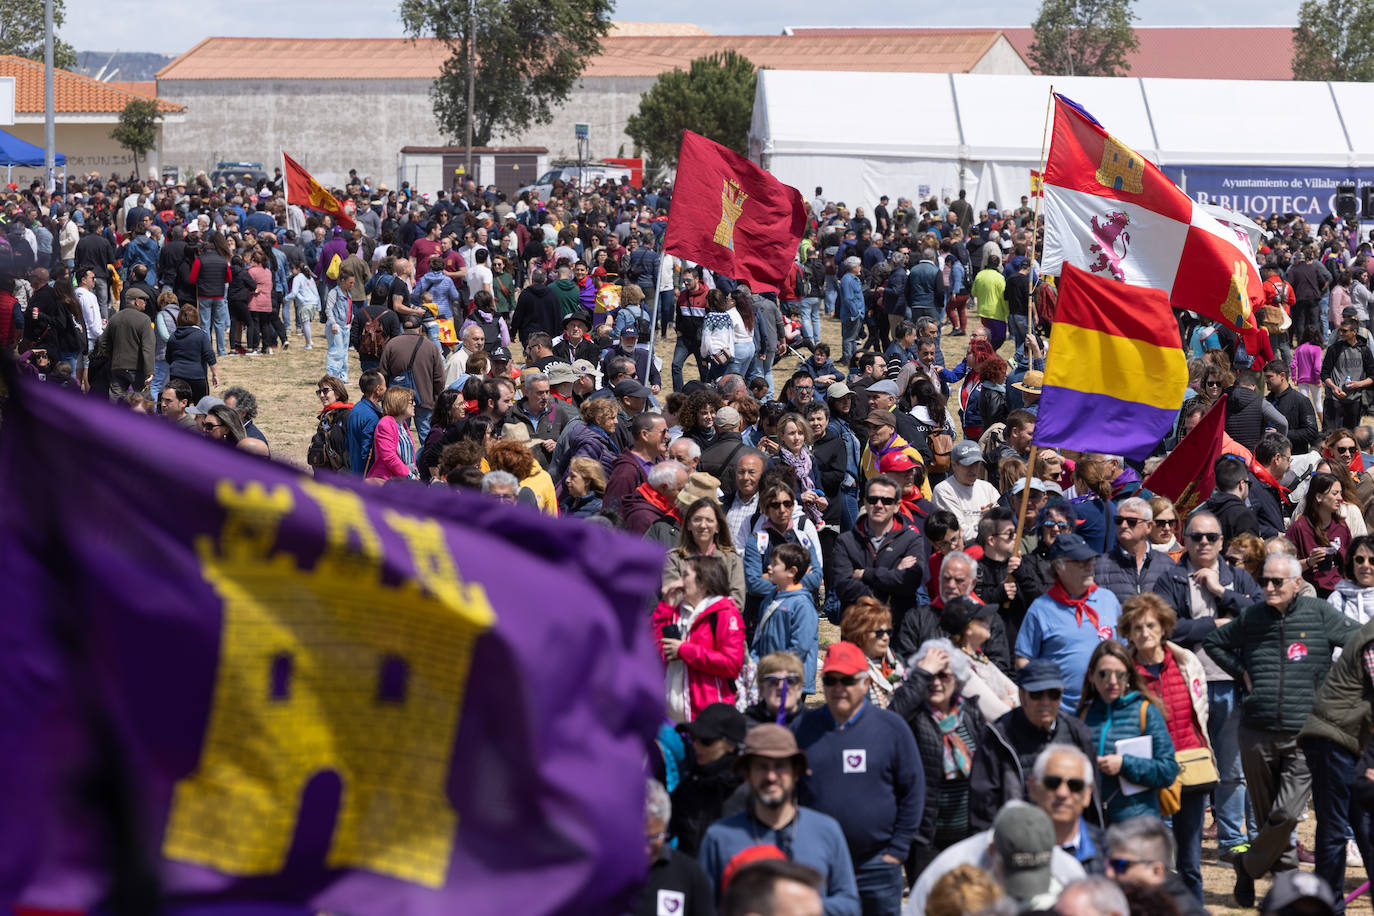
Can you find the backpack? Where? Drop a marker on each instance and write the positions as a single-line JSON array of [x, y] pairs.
[[332, 271], [941, 448], [802, 279], [328, 447], [373, 338], [406, 378], [642, 326]]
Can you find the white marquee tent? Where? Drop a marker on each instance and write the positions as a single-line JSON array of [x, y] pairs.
[[862, 135]]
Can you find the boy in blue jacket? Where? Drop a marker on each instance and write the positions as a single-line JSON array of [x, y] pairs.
[[787, 621]]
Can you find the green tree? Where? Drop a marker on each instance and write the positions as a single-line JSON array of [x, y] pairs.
[[137, 128], [530, 54], [1083, 37], [1334, 40], [21, 32], [714, 97]]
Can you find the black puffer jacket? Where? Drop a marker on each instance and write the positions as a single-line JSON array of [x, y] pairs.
[[1285, 655], [1002, 763]]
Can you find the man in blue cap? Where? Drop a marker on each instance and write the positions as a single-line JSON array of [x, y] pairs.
[[1003, 761], [1067, 623]]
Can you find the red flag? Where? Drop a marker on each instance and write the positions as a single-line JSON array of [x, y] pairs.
[[304, 191], [1187, 475], [1037, 184], [732, 216]]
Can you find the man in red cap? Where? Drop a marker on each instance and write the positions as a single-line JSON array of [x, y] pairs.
[[881, 556], [866, 773], [910, 475], [772, 764]]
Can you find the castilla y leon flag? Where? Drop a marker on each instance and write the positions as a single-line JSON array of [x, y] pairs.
[[732, 216], [1187, 475], [232, 685], [1115, 376], [1110, 211], [304, 191]]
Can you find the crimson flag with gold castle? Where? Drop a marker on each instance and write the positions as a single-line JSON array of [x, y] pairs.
[[730, 215], [304, 191]]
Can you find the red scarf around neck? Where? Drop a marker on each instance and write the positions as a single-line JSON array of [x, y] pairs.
[[1080, 605], [659, 501]]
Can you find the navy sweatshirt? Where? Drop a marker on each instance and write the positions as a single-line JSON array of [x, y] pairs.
[[867, 775]]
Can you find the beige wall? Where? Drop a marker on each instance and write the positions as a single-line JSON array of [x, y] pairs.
[[1001, 58], [88, 148]]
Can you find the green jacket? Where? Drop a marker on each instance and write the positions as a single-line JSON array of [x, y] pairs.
[[1286, 656], [1342, 712]]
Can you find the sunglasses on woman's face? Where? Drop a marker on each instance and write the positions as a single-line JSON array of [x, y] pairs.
[[1363, 559], [1345, 450]]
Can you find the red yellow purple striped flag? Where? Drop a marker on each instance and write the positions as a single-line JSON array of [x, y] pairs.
[[1116, 372]]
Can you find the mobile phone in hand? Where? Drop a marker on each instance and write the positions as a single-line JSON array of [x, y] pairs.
[[672, 631]]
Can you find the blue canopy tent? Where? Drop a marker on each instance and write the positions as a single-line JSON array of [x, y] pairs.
[[14, 151]]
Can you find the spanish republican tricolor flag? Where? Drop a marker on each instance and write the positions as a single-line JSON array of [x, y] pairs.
[[1110, 211], [304, 191], [1116, 373]]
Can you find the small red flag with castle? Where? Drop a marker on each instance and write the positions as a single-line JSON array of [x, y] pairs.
[[730, 215], [304, 191]]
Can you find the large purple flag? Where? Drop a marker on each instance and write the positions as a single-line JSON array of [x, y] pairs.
[[251, 687]]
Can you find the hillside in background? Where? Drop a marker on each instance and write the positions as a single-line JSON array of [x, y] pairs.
[[132, 65]]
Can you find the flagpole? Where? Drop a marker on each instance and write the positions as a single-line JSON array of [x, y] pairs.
[[1030, 322]]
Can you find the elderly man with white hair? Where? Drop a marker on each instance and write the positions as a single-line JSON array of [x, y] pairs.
[[1061, 784], [1131, 566], [676, 884], [1281, 649], [1094, 896], [686, 452]]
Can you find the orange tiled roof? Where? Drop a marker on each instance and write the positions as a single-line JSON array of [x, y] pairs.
[[72, 92], [953, 51]]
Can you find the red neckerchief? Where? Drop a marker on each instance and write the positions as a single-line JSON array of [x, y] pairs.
[[658, 500], [1264, 477], [1080, 605], [566, 399]]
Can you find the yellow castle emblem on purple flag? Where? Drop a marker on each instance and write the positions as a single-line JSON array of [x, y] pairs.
[[1121, 168], [732, 199]]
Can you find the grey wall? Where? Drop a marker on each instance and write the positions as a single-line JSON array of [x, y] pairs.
[[330, 126]]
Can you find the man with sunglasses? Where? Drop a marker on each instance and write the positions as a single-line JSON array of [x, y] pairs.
[[1139, 851], [1282, 649], [880, 557], [1061, 785], [866, 773], [1131, 567], [1205, 590], [1002, 762]]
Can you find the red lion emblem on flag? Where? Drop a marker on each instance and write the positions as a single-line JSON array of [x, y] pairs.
[[1108, 234]]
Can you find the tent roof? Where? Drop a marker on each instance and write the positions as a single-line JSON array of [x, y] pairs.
[[975, 117], [16, 152]]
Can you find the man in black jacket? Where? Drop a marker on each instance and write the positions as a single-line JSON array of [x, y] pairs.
[[537, 309], [1228, 502], [1132, 565], [880, 557], [1004, 760], [1303, 431], [1268, 499]]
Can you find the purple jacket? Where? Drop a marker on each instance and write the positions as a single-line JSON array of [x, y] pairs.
[[334, 246]]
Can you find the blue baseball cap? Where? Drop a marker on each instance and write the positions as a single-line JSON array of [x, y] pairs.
[[1039, 674], [1071, 546]]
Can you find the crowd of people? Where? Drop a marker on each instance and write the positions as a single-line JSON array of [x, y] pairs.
[[1045, 677]]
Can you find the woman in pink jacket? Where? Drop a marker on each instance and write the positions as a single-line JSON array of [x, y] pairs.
[[393, 451], [701, 634], [261, 336]]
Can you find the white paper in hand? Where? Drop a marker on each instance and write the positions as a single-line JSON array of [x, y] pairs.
[[1141, 746]]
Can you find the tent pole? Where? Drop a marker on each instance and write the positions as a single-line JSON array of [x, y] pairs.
[[1035, 223]]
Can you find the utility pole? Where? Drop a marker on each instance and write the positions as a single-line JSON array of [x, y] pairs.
[[472, 81], [49, 128]]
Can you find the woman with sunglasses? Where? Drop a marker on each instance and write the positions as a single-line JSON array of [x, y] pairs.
[[1164, 534], [948, 728], [1353, 595], [1168, 670], [329, 448], [1320, 535], [779, 683], [1115, 703], [867, 623]]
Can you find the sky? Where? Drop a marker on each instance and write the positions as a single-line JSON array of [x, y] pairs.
[[98, 25]]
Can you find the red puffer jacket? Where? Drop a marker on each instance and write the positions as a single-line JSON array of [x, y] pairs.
[[712, 651]]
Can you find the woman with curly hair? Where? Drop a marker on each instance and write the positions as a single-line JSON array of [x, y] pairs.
[[536, 486], [698, 416]]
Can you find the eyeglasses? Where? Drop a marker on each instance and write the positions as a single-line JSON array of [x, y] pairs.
[[1171, 522], [945, 675], [881, 632], [777, 680], [1054, 782], [1051, 693], [213, 426], [881, 500], [799, 389], [836, 680], [1120, 677], [324, 392], [1362, 559], [1211, 537], [1344, 449], [1272, 581], [1212, 383], [1121, 866], [781, 504], [1056, 526], [1129, 522]]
